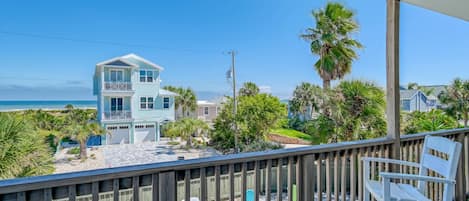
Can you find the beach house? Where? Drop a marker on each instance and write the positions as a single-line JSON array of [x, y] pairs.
[[416, 100], [131, 105]]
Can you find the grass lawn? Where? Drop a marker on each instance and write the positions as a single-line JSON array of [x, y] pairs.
[[291, 133]]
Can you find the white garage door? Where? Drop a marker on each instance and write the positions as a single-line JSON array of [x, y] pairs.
[[145, 132], [118, 134]]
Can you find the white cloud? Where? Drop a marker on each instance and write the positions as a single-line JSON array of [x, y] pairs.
[[265, 89]]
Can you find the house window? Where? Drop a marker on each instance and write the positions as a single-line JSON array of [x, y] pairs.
[[205, 110], [147, 76], [116, 75], [146, 103], [166, 102], [150, 102], [117, 104]]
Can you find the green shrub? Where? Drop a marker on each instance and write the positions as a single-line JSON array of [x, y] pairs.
[[74, 151], [172, 143]]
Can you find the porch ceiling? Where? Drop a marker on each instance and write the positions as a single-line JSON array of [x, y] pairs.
[[455, 8]]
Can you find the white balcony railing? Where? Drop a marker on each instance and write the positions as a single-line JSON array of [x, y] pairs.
[[117, 115], [118, 86]]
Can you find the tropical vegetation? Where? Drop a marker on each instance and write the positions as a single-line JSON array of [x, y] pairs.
[[256, 116], [186, 100], [417, 122], [186, 129], [249, 89], [23, 152], [79, 125], [331, 40], [456, 99]]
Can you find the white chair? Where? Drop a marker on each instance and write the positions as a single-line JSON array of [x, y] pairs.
[[446, 168]]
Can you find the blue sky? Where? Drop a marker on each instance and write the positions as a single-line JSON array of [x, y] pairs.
[[49, 48]]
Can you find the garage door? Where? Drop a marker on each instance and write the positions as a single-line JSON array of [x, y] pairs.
[[118, 134], [145, 132]]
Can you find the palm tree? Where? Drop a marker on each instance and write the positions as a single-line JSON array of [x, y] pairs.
[[22, 151], [331, 41], [249, 89], [80, 127], [306, 98], [426, 90], [186, 101], [456, 98], [186, 128], [359, 109], [69, 107]]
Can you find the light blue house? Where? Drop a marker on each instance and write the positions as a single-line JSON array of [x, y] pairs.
[[131, 105], [416, 100]]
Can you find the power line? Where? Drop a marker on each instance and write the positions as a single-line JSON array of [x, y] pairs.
[[105, 42]]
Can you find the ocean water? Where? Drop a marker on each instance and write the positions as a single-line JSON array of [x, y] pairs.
[[12, 105]]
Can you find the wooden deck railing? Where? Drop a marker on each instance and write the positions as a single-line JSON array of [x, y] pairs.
[[323, 172]]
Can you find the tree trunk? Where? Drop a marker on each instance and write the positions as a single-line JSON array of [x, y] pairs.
[[83, 150], [183, 112], [326, 84], [189, 141]]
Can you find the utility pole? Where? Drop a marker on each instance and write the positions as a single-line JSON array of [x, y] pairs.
[[233, 74]]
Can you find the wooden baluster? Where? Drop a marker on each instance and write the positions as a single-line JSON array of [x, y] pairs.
[[353, 175], [72, 192], [187, 185], [115, 188], [268, 179], [343, 175], [136, 187], [232, 183], [257, 180], [380, 155], [290, 178], [203, 184], [328, 176], [308, 175], [279, 179], [336, 175], [360, 174], [371, 153], [319, 176], [466, 159], [167, 186], [299, 178], [244, 180], [154, 184], [217, 183], [404, 157]]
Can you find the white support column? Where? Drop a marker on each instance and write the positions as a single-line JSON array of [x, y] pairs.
[[392, 75], [157, 131]]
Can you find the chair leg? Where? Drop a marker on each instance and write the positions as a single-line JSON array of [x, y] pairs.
[[366, 194]]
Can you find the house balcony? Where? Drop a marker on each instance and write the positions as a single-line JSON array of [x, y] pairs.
[[123, 115], [117, 86], [323, 172]]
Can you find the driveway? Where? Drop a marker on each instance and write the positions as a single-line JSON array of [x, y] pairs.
[[149, 152]]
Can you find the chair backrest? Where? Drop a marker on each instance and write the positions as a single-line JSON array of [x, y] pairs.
[[440, 155]]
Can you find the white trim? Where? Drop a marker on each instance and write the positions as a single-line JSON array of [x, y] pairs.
[[154, 81], [132, 55], [116, 59]]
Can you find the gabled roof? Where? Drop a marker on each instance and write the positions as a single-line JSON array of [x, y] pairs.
[[408, 93], [131, 60], [163, 92]]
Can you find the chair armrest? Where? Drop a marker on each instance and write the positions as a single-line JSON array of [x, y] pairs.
[[393, 161], [390, 175]]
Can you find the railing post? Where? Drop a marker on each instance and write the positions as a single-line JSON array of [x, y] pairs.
[[167, 186], [392, 75], [460, 179], [308, 177]]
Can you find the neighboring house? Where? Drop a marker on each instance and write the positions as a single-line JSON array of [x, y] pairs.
[[309, 114], [131, 105], [416, 100], [207, 111]]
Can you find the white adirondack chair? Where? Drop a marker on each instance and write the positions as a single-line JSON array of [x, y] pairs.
[[386, 190]]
